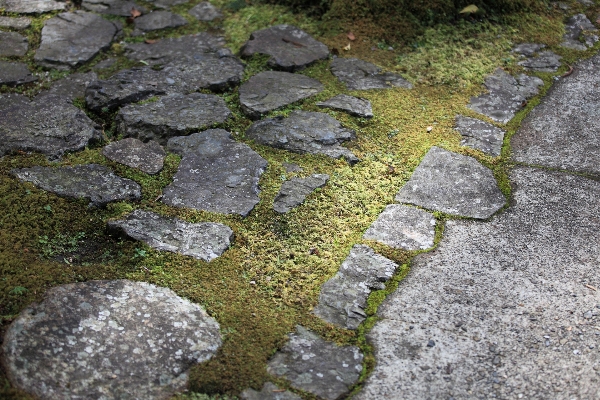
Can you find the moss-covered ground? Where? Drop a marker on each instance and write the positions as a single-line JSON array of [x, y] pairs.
[[269, 280]]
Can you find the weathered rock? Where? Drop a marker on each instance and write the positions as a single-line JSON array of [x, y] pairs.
[[172, 115], [108, 339], [294, 191], [13, 44], [291, 167], [350, 104], [304, 132], [317, 366], [361, 75], [159, 20], [270, 90], [290, 48], [104, 64], [31, 6], [121, 8], [269, 392], [90, 181], [10, 100], [15, 74], [480, 135], [403, 227], [528, 49], [546, 61], [205, 241], [148, 157], [49, 125], [506, 95], [343, 298], [580, 33], [71, 87], [15, 23], [205, 11], [73, 38], [216, 173], [173, 49], [167, 3], [454, 184]]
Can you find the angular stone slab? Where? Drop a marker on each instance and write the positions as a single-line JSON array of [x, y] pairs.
[[317, 366], [269, 392], [71, 87], [167, 3], [350, 104], [454, 184], [361, 75], [31, 6], [15, 74], [528, 49], [108, 339], [216, 173], [13, 44], [291, 49], [18, 23], [546, 61], [480, 135], [73, 38], [563, 131], [94, 182], [173, 49], [580, 33], [506, 95], [294, 191], [343, 298], [104, 64], [147, 157], [120, 8], [270, 90], [205, 11], [205, 241], [304, 132], [159, 20], [403, 227], [172, 115]]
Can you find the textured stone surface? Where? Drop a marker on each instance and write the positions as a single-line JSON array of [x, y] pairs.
[[350, 104], [454, 184], [205, 240], [71, 87], [564, 130], [506, 95], [290, 48], [504, 303], [361, 75], [216, 173], [73, 38], [580, 33], [294, 191], [173, 49], [528, 49], [31, 6], [171, 115], [108, 339], [167, 3], [121, 8], [205, 11], [269, 392], [403, 227], [94, 182], [15, 73], [12, 44], [159, 20], [104, 64], [270, 90], [317, 366], [15, 23], [343, 298], [148, 157], [304, 132], [546, 61], [480, 135]]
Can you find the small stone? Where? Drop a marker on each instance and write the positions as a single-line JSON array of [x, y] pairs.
[[587, 315], [71, 87], [120, 8], [205, 11], [431, 343], [350, 104], [148, 157], [104, 64], [159, 20], [15, 23], [580, 33], [31, 6], [361, 75], [12, 44], [528, 49], [15, 74], [269, 392], [167, 3], [480, 135], [174, 49], [546, 61], [294, 191]]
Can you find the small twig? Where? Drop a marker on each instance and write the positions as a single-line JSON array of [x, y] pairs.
[[569, 72], [591, 287]]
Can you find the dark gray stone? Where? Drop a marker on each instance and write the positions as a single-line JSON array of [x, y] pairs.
[[528, 49], [49, 125], [343, 298], [506, 95], [172, 115], [546, 61], [108, 340], [216, 174], [304, 132], [31, 6], [291, 49], [73, 38], [563, 131], [167, 3], [294, 191], [403, 227], [15, 23], [94, 182], [205, 241], [361, 75], [205, 11], [12, 44], [480, 135], [350, 104], [104, 64], [270, 90], [71, 87], [317, 366], [121, 8], [159, 20], [174, 49], [454, 184], [15, 74], [10, 100], [269, 392], [148, 157], [580, 33]]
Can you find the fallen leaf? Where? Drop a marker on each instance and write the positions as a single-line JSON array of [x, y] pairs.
[[150, 41], [347, 47], [591, 287], [351, 36], [470, 9], [135, 12]]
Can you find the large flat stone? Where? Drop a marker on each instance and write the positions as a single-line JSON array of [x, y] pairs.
[[269, 392], [500, 309], [204, 11], [528, 49], [159, 20], [317, 366], [108, 340], [173, 49], [73, 38], [93, 182], [120, 8], [291, 49], [361, 75], [480, 135], [31, 6], [294, 191], [580, 33], [172, 115], [13, 44], [343, 298], [148, 157], [18, 23], [546, 61], [350, 104], [563, 131], [15, 74], [454, 184], [71, 87], [216, 173], [205, 241], [270, 90]]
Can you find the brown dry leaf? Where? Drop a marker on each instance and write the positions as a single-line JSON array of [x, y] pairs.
[[150, 41], [347, 47], [351, 36], [135, 12]]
